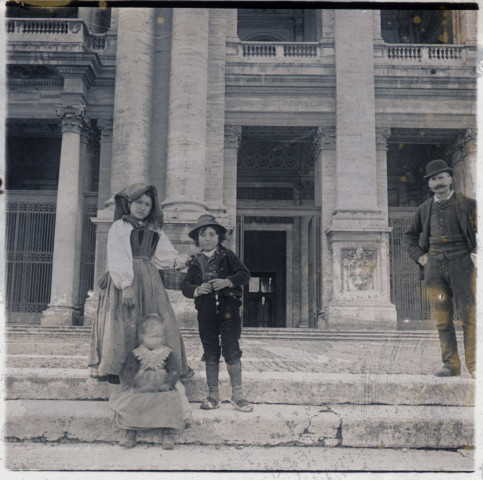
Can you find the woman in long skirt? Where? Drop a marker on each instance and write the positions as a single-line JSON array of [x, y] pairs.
[[137, 248]]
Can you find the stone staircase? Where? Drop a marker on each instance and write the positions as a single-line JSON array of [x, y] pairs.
[[302, 420]]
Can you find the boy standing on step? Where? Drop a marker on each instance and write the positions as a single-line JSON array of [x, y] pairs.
[[214, 279]]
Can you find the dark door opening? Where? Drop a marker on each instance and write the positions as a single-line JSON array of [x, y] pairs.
[[264, 297]]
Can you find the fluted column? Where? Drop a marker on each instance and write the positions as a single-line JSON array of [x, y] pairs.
[[232, 143], [464, 157], [132, 97], [64, 305], [382, 136], [215, 119], [105, 158], [185, 172]]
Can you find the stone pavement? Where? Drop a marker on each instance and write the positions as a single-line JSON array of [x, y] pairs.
[[345, 402]]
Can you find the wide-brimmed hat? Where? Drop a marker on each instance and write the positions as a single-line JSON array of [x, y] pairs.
[[133, 192], [205, 221], [437, 166]]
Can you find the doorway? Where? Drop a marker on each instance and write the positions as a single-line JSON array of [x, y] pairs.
[[264, 298]]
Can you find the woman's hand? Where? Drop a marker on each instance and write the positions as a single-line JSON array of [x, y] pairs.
[[128, 299], [180, 262], [165, 387], [204, 289], [221, 283]]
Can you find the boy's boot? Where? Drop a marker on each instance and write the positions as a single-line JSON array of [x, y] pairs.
[[213, 399], [129, 439], [238, 400], [169, 438]]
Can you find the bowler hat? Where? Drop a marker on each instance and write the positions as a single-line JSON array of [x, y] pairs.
[[437, 166], [205, 221]]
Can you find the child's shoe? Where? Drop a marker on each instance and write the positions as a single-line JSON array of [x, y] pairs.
[[210, 403], [129, 439], [242, 405]]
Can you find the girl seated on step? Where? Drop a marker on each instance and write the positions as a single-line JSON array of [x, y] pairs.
[[151, 397]]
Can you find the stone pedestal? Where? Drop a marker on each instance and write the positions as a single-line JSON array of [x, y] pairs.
[[64, 302], [185, 172]]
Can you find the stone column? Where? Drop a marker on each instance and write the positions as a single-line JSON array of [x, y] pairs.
[[358, 230], [185, 172], [215, 119], [464, 157], [232, 143], [328, 23], [325, 197], [232, 25], [382, 135], [105, 127], [64, 306], [103, 219], [132, 97]]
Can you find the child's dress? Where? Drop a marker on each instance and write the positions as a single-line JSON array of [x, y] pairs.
[[137, 410], [136, 253]]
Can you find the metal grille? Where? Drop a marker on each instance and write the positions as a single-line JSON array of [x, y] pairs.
[[315, 271], [408, 293], [30, 228], [88, 247]]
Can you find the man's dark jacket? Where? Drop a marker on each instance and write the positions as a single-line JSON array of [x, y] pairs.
[[416, 237]]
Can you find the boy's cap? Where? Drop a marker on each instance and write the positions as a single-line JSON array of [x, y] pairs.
[[205, 220]]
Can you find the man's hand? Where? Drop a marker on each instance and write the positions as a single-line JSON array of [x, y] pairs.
[[128, 299], [423, 260], [220, 283]]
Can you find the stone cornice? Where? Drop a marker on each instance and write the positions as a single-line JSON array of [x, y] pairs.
[[423, 92], [285, 91], [34, 82]]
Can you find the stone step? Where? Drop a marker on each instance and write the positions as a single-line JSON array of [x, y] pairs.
[[207, 458], [248, 332], [293, 388], [268, 425]]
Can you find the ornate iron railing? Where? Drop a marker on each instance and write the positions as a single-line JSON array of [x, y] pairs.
[[30, 232], [30, 229]]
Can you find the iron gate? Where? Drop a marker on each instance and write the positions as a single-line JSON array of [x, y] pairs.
[[408, 293], [30, 231]]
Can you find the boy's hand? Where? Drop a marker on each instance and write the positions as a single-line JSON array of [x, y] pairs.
[[165, 387], [220, 283], [204, 289]]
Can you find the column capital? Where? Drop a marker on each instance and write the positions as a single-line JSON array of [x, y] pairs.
[[105, 126], [233, 136], [382, 135], [72, 118], [324, 139]]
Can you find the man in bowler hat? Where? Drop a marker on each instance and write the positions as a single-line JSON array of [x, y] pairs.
[[441, 238]]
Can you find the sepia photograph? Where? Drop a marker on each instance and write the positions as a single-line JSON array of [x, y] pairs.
[[240, 239]]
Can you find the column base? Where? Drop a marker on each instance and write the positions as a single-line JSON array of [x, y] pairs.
[[180, 210], [364, 316], [60, 315], [90, 309]]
